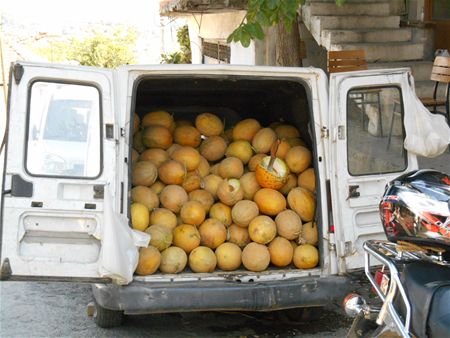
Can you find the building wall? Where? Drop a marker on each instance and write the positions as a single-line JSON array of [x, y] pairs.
[[217, 27]]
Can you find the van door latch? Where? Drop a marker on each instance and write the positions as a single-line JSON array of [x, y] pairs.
[[353, 192]]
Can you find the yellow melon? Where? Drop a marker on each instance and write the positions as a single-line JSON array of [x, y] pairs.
[[187, 136], [289, 224], [136, 123], [192, 212], [172, 172], [149, 261], [240, 149], [262, 229], [238, 235], [145, 196], [246, 129], [211, 184], [209, 124], [144, 173], [291, 183], [243, 212], [160, 236], [202, 259], [164, 217], [307, 179], [157, 187], [303, 202], [270, 202], [155, 155], [186, 237], [192, 182], [158, 118], [255, 257], [306, 256], [250, 185], [173, 260], [202, 196], [139, 216], [310, 233], [228, 256], [222, 212], [157, 137], [298, 158], [173, 197], [255, 161], [263, 140], [213, 148], [231, 167], [286, 131], [187, 156], [281, 252], [230, 192], [212, 233]]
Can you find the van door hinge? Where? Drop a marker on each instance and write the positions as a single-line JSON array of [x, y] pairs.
[[122, 132], [341, 132], [5, 271], [18, 72], [324, 132]]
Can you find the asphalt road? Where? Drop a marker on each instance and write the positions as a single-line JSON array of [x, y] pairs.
[[60, 310]]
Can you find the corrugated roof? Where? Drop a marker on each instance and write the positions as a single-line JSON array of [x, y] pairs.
[[181, 7]]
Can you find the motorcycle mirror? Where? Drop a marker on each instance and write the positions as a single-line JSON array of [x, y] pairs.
[[353, 304]]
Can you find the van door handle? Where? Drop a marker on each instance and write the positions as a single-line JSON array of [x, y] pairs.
[[353, 192]]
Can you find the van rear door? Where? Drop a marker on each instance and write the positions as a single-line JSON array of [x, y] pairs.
[[60, 154], [366, 114]]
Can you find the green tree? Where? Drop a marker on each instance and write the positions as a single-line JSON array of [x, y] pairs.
[[184, 54], [282, 14], [266, 13], [100, 49]]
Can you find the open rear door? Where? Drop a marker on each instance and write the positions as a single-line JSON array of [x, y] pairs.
[[366, 113], [60, 154]]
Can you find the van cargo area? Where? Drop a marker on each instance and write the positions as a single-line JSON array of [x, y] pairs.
[[232, 99]]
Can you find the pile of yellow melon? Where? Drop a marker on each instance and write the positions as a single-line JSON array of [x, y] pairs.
[[214, 199]]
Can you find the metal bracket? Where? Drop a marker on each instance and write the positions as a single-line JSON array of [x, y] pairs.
[[99, 191], [353, 192], [5, 272], [18, 72]]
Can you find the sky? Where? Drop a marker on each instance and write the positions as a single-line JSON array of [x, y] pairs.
[[51, 13], [54, 16]]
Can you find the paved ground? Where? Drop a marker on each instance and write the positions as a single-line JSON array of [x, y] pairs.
[[59, 310]]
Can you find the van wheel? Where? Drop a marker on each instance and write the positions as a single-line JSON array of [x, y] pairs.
[[107, 318]]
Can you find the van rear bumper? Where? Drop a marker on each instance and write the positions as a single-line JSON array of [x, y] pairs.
[[145, 297]]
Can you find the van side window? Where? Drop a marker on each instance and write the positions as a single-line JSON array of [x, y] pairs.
[[375, 131], [64, 130]]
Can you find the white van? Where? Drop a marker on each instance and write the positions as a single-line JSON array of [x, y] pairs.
[[69, 132]]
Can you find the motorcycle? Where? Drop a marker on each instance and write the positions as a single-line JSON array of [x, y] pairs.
[[412, 287]]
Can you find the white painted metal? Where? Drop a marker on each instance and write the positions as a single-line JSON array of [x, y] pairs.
[[56, 239], [357, 219]]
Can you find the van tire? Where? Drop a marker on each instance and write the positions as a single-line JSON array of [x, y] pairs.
[[106, 318]]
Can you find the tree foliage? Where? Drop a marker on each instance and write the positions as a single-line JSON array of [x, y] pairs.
[[266, 13], [184, 54], [99, 49]]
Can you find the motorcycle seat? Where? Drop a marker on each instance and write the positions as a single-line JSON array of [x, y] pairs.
[[427, 287]]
